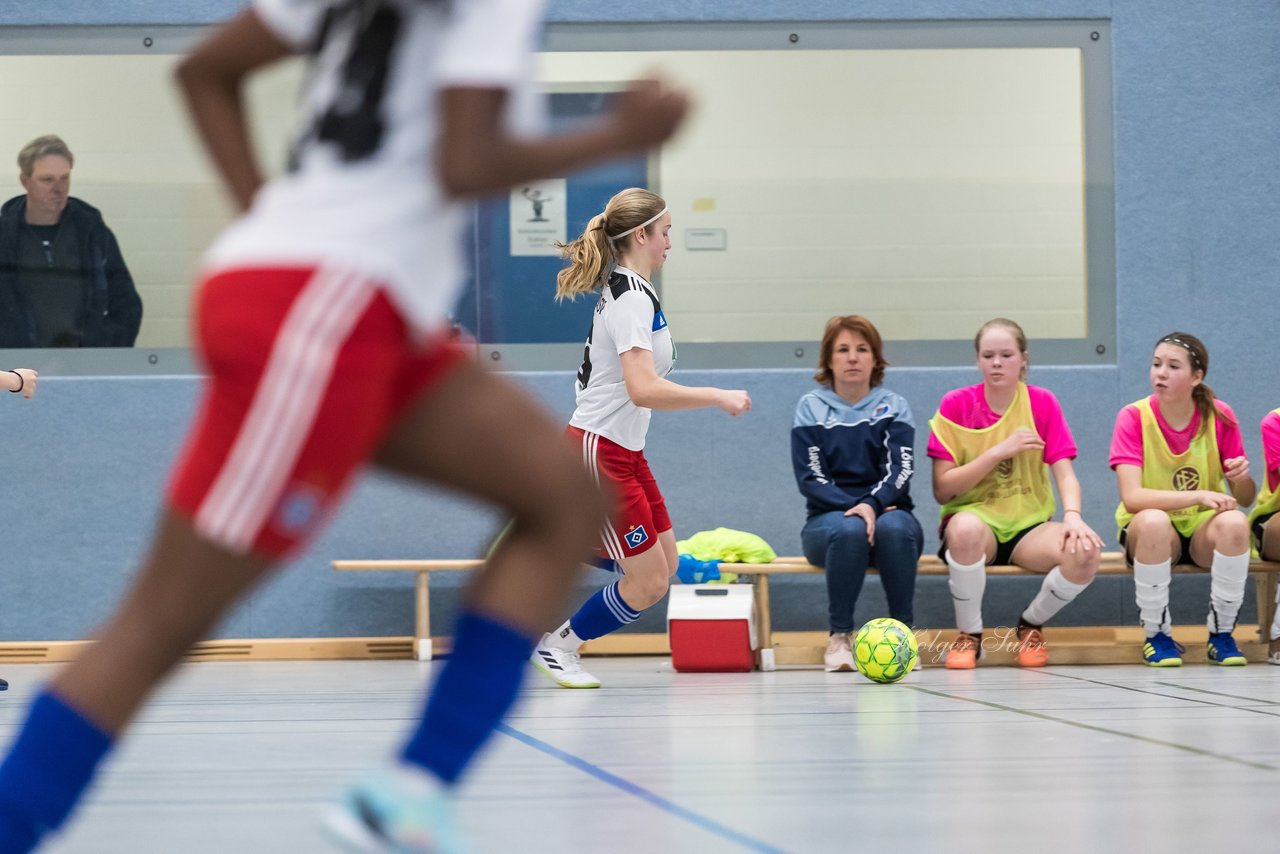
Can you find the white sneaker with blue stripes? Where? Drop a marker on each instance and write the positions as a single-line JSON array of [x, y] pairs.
[[562, 665]]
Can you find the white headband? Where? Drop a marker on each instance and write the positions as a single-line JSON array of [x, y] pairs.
[[648, 222], [1173, 339]]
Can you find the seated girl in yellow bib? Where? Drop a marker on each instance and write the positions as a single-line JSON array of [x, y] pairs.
[[1175, 454], [1264, 521], [993, 446]]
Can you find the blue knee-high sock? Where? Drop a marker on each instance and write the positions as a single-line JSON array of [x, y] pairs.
[[49, 766], [475, 689], [604, 612]]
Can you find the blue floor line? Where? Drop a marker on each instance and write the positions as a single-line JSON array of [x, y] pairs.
[[640, 792]]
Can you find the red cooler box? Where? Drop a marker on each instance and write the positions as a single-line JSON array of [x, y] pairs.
[[712, 627]]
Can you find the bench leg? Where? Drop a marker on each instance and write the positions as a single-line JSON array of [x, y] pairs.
[[764, 625], [1266, 604], [422, 617]]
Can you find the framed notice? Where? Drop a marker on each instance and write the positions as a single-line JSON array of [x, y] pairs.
[[538, 213]]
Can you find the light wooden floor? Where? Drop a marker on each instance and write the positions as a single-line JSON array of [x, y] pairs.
[[239, 757]]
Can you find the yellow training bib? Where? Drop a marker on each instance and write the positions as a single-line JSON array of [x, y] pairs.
[[1199, 467], [1015, 494], [1268, 501]]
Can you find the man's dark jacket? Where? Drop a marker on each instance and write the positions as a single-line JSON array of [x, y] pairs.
[[112, 309]]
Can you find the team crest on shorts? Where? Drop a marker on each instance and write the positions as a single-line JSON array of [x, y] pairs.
[[636, 537]]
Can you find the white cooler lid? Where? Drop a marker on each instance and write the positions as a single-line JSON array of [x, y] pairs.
[[711, 602], [714, 602]]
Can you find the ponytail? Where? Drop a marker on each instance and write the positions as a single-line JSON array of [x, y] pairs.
[[589, 257], [1204, 398], [593, 256]]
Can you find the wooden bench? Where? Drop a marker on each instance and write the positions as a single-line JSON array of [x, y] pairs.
[[1071, 645]]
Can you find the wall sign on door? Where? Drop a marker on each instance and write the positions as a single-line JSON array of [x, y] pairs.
[[538, 217]]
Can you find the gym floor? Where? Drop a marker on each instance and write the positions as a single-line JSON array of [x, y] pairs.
[[242, 757]]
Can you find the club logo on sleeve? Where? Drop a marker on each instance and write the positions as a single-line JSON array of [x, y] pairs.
[[881, 411], [636, 537]]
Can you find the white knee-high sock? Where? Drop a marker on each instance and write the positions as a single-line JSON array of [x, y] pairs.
[[1151, 583], [1228, 574], [1055, 592], [967, 584]]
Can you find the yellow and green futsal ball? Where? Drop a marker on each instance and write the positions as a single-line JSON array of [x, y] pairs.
[[885, 650]]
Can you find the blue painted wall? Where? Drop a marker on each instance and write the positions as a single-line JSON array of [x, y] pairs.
[[1197, 178]]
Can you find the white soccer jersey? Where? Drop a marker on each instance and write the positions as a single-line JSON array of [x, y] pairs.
[[361, 189], [627, 316]]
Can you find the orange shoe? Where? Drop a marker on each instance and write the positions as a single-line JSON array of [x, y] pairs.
[[1032, 650], [964, 651]]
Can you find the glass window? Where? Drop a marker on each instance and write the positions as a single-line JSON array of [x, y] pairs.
[[928, 175]]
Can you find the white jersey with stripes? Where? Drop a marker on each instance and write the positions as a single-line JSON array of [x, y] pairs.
[[360, 190], [627, 316]]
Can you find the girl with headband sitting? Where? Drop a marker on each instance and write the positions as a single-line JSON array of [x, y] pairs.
[[1183, 476]]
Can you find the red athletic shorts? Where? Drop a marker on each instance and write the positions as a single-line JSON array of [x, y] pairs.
[[639, 513], [308, 369]]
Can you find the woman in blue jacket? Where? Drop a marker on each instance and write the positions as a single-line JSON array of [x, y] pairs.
[[852, 449]]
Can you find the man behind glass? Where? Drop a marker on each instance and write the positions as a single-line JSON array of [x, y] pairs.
[[63, 282]]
